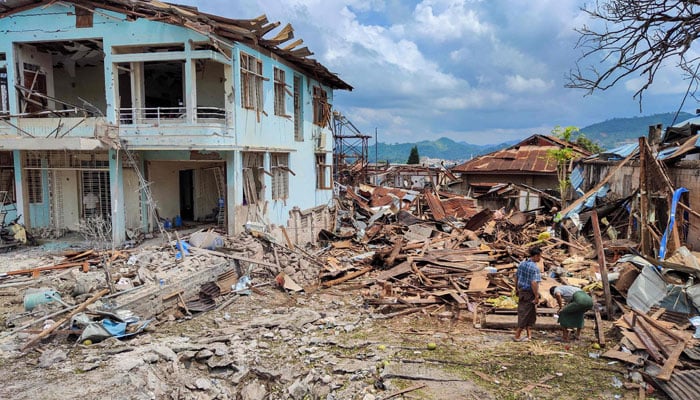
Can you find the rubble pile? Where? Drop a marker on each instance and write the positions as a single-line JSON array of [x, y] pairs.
[[403, 252]]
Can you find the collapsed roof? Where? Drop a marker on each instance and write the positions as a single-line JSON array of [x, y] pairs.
[[246, 31], [526, 157]]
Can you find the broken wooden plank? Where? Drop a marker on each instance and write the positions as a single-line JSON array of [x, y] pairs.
[[349, 276], [479, 281], [599, 185], [193, 249], [36, 272], [625, 357], [403, 268], [403, 391], [46, 332], [648, 343], [601, 262], [598, 323], [671, 362]]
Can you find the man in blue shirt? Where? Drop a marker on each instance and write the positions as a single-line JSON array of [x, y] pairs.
[[527, 283]]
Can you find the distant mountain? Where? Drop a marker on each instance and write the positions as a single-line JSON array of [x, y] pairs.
[[609, 134], [618, 131], [442, 148]]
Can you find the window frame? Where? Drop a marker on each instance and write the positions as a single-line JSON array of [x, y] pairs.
[[323, 173], [251, 82], [279, 168], [280, 77], [321, 106]]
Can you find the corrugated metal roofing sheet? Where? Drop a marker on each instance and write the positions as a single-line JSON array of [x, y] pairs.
[[529, 156], [621, 151], [683, 385]]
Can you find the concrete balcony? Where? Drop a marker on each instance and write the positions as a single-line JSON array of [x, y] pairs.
[[170, 127]]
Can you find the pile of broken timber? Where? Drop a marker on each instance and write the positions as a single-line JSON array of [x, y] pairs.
[[652, 341]]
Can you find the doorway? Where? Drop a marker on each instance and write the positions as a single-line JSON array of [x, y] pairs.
[[187, 195]]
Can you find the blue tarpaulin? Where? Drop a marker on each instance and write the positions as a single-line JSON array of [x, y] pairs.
[[676, 196]]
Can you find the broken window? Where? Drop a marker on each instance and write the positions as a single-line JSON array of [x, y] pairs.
[[4, 93], [83, 17], [251, 83], [7, 177], [323, 172], [253, 184], [280, 92], [279, 166], [95, 193], [34, 79], [33, 170], [298, 122], [322, 110]]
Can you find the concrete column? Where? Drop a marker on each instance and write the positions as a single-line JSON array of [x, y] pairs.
[[234, 194], [190, 100], [21, 193], [116, 185], [111, 79], [137, 87], [12, 79], [229, 95]]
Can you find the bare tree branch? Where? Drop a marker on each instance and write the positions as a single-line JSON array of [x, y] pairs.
[[636, 38]]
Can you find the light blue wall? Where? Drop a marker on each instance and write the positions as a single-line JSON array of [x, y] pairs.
[[248, 132], [41, 212]]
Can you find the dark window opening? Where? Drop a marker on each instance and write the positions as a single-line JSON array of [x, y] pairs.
[[322, 110], [298, 122], [164, 88]]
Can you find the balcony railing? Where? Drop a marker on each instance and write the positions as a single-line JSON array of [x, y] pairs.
[[168, 115]]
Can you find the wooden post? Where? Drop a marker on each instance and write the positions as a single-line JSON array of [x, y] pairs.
[[601, 263], [644, 244]]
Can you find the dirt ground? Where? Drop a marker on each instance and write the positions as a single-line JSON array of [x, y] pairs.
[[326, 344]]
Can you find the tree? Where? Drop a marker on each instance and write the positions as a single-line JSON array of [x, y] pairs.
[[588, 144], [635, 38], [413, 158], [562, 157]]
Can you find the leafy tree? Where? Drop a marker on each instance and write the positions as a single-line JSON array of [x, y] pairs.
[[588, 144], [563, 157], [413, 158], [635, 38]]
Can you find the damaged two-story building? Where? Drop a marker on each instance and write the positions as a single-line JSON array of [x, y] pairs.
[[134, 112]]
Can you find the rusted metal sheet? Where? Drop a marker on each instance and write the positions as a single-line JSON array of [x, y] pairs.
[[530, 155], [435, 206], [682, 385], [479, 220], [459, 207]]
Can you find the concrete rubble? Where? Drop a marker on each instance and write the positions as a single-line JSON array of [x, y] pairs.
[[248, 317]]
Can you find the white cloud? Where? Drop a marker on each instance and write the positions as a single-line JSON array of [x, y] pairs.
[[533, 85], [444, 20]]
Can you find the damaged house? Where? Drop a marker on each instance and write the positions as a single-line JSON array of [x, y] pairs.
[[136, 112], [522, 176], [658, 187]]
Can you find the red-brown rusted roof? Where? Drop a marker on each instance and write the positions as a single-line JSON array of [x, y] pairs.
[[527, 157]]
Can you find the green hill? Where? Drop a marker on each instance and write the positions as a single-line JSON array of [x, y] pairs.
[[617, 131], [608, 134], [443, 148]]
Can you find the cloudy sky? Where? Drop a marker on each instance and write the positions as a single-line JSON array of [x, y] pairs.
[[475, 71]]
